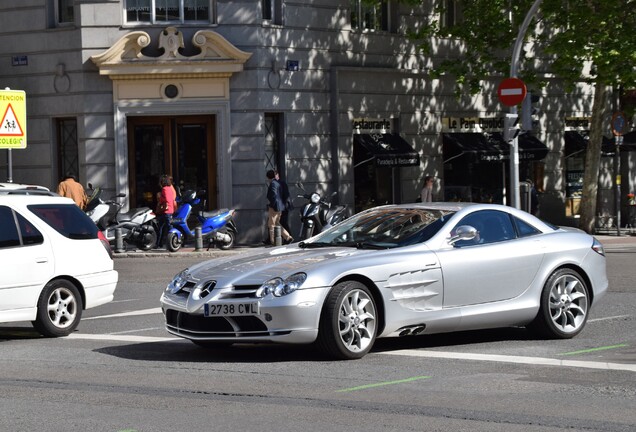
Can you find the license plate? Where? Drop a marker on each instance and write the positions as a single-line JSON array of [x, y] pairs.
[[231, 309]]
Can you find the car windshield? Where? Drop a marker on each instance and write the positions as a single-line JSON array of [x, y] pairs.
[[383, 228]]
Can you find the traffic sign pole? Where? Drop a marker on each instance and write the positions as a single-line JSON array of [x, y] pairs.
[[514, 150]]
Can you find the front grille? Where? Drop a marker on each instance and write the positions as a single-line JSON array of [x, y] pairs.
[[200, 326], [240, 291]]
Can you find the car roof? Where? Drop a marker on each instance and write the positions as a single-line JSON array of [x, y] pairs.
[[9, 186]]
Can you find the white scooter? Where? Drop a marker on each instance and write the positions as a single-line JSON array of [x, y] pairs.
[[138, 226]]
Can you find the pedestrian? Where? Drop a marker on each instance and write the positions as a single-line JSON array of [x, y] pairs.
[[166, 205], [426, 194], [534, 199], [287, 200], [69, 187], [275, 208]]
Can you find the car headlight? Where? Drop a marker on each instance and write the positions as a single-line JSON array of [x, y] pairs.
[[178, 282], [279, 287]]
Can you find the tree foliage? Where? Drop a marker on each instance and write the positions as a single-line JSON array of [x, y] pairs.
[[578, 41]]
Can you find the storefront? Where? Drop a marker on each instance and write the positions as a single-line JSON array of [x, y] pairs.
[[476, 160], [378, 156]]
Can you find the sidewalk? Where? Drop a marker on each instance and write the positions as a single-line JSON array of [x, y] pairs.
[[609, 241]]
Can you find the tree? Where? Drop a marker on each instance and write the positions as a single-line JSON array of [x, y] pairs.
[[580, 41]]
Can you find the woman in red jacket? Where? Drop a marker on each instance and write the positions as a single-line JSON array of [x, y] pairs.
[[166, 206]]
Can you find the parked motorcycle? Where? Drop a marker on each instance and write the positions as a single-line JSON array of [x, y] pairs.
[[138, 226], [217, 227], [318, 214]]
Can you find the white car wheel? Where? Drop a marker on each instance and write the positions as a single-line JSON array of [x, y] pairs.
[[59, 309], [348, 325]]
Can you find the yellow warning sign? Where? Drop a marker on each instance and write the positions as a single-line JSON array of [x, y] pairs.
[[13, 123]]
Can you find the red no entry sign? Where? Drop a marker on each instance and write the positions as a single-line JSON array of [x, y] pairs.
[[511, 91]]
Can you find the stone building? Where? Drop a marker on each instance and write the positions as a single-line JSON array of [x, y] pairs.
[[216, 92]]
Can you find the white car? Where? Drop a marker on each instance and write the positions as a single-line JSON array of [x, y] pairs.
[[55, 262]]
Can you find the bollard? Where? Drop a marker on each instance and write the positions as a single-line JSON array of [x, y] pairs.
[[278, 241], [119, 241], [198, 239]]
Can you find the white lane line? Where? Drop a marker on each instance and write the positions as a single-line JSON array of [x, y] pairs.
[[121, 338], [125, 314], [609, 318], [538, 361], [124, 301], [137, 330]]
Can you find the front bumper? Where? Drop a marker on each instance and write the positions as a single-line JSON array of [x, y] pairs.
[[289, 319]]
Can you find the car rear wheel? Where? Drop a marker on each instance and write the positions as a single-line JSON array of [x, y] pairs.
[[59, 309], [564, 305], [348, 324]]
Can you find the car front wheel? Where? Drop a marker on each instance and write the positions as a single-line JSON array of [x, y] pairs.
[[564, 305], [59, 309], [348, 324]]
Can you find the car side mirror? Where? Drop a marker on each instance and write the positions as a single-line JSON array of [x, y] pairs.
[[463, 232]]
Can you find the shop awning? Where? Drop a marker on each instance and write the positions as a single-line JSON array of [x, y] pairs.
[[388, 150], [490, 147], [576, 142]]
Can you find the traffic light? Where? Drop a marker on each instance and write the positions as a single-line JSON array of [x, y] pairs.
[[510, 129], [528, 110]]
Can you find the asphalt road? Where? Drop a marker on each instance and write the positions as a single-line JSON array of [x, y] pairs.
[[122, 372]]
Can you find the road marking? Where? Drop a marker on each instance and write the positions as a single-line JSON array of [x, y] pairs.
[[137, 330], [595, 349], [381, 384], [121, 338], [609, 318], [126, 314], [538, 361]]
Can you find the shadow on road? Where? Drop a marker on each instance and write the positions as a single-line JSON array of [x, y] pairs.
[[185, 351]]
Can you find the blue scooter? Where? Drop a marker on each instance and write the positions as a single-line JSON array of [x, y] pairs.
[[217, 227]]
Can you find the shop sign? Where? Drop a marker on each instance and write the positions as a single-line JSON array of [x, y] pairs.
[[472, 124], [577, 123], [364, 125]]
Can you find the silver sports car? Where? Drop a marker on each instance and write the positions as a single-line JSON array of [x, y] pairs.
[[395, 270]]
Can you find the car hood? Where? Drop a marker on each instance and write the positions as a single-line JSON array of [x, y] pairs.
[[254, 268]]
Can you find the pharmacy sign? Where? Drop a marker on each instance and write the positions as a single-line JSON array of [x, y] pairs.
[[13, 120]]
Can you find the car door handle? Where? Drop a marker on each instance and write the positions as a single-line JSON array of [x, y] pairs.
[[41, 260]]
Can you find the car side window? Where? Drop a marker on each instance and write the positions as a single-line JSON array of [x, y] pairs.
[[9, 236], [30, 234], [492, 226], [66, 219], [525, 229]]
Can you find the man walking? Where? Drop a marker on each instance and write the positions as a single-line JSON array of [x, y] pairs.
[[275, 208]]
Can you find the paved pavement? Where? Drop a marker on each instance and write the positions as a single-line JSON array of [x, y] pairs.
[[610, 242]]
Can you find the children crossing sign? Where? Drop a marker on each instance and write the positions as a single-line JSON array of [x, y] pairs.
[[13, 120]]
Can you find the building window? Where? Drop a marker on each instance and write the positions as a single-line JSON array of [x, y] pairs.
[[60, 13], [274, 158], [452, 13], [272, 11], [67, 147], [169, 11], [370, 16]]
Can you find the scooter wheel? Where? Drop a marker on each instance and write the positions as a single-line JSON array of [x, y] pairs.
[[228, 245], [174, 243], [148, 240]]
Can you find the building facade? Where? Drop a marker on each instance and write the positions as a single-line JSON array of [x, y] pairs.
[[216, 92]]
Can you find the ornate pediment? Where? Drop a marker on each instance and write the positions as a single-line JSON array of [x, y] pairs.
[[125, 60]]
